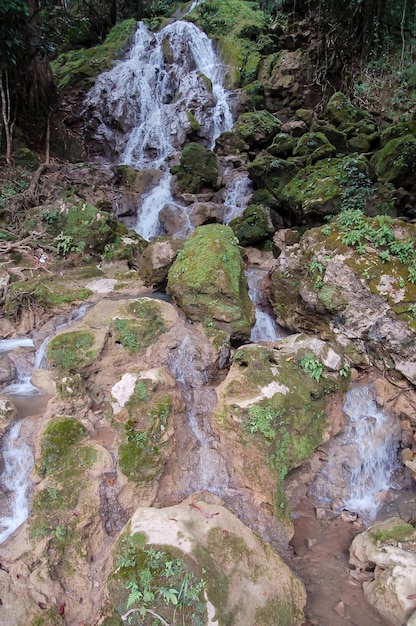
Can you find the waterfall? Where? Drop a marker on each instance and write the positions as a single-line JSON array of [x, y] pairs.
[[363, 460], [265, 328], [140, 109], [209, 467], [18, 463], [376, 436], [239, 192], [22, 386]]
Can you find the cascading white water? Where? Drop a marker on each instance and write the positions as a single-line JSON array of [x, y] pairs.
[[210, 468], [18, 463], [362, 461], [21, 386], [376, 436], [239, 192], [141, 108], [265, 328]]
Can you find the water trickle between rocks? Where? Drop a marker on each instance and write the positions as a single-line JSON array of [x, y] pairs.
[[363, 460], [265, 328]]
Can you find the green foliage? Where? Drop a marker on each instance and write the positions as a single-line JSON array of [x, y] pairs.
[[159, 582], [313, 367], [64, 461], [356, 188], [136, 333], [59, 437], [71, 351], [399, 533], [263, 419]]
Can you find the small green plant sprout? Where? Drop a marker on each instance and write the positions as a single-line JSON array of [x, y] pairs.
[[345, 370], [313, 367], [263, 419], [316, 268], [163, 587], [412, 309]]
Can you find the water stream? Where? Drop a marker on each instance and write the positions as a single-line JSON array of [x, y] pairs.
[[18, 462], [17, 456], [141, 108], [362, 462], [265, 328]]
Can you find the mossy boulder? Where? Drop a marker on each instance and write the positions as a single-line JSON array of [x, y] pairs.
[[72, 351], [78, 227], [391, 546], [394, 131], [230, 574], [78, 68], [198, 168], [396, 161], [272, 173], [282, 146], [335, 136], [319, 189], [257, 128], [272, 403], [314, 147], [207, 281], [340, 111], [353, 281], [253, 226], [144, 449]]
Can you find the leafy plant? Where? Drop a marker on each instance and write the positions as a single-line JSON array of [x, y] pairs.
[[313, 367], [160, 584]]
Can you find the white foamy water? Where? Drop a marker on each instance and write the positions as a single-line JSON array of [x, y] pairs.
[[140, 108], [375, 436], [238, 196], [18, 463], [6, 345], [265, 328]]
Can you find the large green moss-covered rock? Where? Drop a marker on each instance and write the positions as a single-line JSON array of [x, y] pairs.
[[257, 128], [340, 110], [272, 173], [314, 147], [396, 162], [198, 168], [253, 226], [207, 281], [320, 189]]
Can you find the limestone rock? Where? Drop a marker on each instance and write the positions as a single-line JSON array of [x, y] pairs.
[[156, 260], [245, 580], [391, 546]]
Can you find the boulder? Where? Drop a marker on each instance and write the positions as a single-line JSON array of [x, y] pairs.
[[324, 286], [207, 281], [156, 260], [395, 162], [390, 545], [340, 111], [198, 168], [253, 226], [231, 575]]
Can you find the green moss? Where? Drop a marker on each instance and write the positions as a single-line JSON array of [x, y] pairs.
[[77, 68], [208, 282], [71, 351], [59, 437], [43, 294], [194, 124], [400, 533], [141, 326], [64, 462], [253, 226], [48, 617], [142, 454], [278, 611], [198, 168], [395, 163], [80, 227], [340, 110], [257, 128]]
